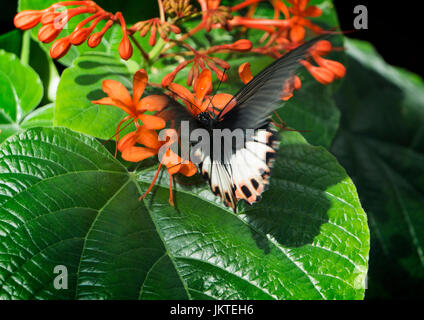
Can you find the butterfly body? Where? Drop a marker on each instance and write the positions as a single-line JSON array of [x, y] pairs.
[[242, 171], [206, 120]]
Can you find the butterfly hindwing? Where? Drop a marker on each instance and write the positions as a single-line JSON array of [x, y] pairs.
[[244, 173]]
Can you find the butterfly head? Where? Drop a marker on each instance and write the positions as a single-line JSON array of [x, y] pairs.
[[205, 119]]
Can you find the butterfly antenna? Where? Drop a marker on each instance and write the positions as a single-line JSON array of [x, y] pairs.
[[182, 98]]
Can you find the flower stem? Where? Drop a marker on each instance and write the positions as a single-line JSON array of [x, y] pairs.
[[161, 11], [185, 36], [26, 43], [155, 52], [143, 53]]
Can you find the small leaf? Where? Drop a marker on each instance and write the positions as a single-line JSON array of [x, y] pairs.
[[41, 117], [20, 92]]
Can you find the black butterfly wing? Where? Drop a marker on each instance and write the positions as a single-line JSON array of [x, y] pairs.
[[261, 96]]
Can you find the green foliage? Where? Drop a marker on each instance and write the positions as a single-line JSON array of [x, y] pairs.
[[67, 201], [381, 145], [82, 83], [20, 92]]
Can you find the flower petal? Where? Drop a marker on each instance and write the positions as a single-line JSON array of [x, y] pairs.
[[110, 102], [297, 33], [245, 73], [127, 141], [188, 169], [184, 94], [118, 92], [139, 84], [152, 122], [218, 102], [172, 161], [136, 154], [312, 11], [203, 85], [154, 102], [147, 137]]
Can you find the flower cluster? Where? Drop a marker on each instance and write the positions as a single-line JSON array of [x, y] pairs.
[[283, 32], [144, 142], [53, 19]]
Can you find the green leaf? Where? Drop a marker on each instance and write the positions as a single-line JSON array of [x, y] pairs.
[[381, 145], [67, 201], [20, 92], [11, 42], [41, 117], [82, 83], [39, 60]]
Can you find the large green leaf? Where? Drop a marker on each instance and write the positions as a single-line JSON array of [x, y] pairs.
[[381, 145], [20, 92], [67, 201], [82, 83]]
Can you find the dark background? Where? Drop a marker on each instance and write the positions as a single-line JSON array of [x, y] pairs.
[[391, 28]]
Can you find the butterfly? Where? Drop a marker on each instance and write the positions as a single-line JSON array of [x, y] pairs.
[[243, 170]]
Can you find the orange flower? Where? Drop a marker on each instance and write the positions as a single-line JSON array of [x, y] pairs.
[[200, 101], [213, 13], [151, 146], [134, 106], [300, 12], [327, 70]]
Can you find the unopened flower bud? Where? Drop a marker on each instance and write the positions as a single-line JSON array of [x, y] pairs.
[[242, 45], [48, 33], [125, 48], [49, 17], [95, 39], [78, 37], [60, 48], [27, 19]]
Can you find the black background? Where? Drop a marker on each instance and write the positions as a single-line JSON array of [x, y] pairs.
[[392, 28]]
